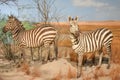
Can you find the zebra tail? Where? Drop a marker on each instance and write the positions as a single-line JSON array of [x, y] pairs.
[[56, 46]]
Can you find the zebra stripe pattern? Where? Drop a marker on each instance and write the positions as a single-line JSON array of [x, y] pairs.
[[83, 42], [44, 35]]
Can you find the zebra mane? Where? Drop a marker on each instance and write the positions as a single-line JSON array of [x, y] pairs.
[[17, 22]]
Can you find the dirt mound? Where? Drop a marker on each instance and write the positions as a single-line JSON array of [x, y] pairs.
[[57, 70], [62, 69]]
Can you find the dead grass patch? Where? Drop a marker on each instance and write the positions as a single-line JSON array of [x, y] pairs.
[[115, 73], [24, 67]]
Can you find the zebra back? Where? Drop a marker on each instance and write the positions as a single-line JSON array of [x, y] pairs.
[[38, 36]]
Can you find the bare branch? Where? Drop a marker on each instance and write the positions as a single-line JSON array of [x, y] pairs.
[[6, 1], [46, 10]]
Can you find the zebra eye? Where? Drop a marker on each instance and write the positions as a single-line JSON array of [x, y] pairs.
[[70, 25], [9, 22]]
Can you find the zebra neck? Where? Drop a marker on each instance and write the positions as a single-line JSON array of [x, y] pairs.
[[74, 39], [15, 34]]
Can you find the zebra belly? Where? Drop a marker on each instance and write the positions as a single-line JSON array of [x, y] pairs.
[[92, 49], [85, 49]]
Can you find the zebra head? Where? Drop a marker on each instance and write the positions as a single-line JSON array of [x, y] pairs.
[[12, 24], [74, 29]]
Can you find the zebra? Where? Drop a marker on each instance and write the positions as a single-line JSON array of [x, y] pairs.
[[44, 35], [92, 41]]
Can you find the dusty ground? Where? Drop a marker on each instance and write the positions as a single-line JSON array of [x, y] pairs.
[[61, 70]]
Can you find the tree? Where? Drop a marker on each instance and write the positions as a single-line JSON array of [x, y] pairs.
[[47, 11], [6, 1]]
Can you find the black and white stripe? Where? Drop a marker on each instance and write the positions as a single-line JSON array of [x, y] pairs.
[[89, 41], [44, 35]]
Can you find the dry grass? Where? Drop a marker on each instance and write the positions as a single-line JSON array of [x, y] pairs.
[[24, 67], [115, 50], [35, 72], [115, 73], [102, 73], [73, 56]]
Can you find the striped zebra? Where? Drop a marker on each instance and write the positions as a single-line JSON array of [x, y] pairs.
[[83, 42], [44, 35]]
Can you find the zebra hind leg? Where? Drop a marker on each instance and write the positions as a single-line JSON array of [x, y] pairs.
[[79, 65], [100, 59], [53, 51], [31, 53], [46, 53], [40, 53], [109, 57]]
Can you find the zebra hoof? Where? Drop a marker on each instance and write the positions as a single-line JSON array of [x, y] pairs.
[[78, 75], [44, 62], [108, 67], [89, 63], [51, 60], [98, 67], [96, 61]]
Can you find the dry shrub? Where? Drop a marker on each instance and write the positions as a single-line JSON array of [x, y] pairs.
[[115, 73], [98, 73], [73, 56], [89, 76], [115, 50], [24, 67]]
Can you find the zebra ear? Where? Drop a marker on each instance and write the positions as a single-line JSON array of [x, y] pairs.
[[69, 18], [76, 18], [9, 16]]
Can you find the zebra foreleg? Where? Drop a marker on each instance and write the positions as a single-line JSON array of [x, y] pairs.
[[100, 59], [39, 53], [53, 54], [31, 53], [79, 65], [22, 58], [109, 57], [46, 53]]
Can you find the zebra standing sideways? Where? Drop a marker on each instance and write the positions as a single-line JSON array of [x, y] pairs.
[[43, 35], [89, 42]]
